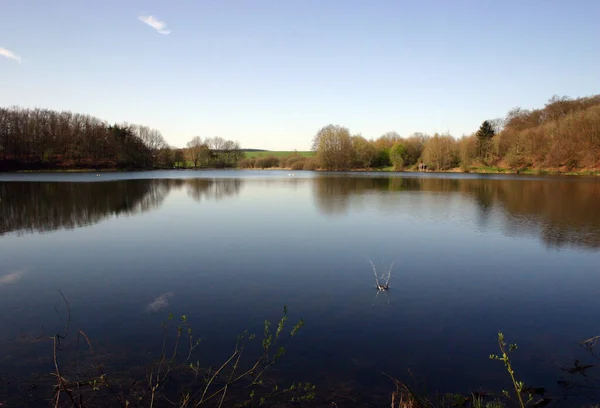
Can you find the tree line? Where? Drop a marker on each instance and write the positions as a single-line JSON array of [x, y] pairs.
[[564, 135], [47, 139], [211, 152]]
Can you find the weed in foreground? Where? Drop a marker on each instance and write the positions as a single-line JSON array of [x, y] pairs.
[[176, 378], [519, 386]]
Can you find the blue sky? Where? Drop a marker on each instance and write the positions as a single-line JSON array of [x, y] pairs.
[[271, 73]]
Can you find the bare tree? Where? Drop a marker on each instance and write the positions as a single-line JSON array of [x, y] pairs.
[[333, 145], [441, 152], [468, 150], [364, 152], [497, 124], [195, 148], [387, 140], [224, 153], [216, 143], [232, 153]]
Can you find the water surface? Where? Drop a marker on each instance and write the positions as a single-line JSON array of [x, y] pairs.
[[473, 255]]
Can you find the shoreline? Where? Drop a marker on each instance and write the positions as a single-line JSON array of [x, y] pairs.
[[525, 172], [528, 172], [86, 170]]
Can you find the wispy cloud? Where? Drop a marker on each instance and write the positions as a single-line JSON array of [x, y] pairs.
[[13, 277], [159, 26], [160, 302], [9, 54]]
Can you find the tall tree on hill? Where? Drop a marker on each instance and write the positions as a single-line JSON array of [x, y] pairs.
[[484, 138]]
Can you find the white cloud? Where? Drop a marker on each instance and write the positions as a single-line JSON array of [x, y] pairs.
[[13, 277], [158, 25], [9, 54]]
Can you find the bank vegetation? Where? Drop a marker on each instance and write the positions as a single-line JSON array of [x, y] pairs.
[[563, 136], [41, 139]]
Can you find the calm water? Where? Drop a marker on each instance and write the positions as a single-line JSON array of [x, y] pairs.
[[474, 255]]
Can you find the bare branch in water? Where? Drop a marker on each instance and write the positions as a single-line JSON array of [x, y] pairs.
[[68, 323], [375, 273], [590, 345], [387, 274]]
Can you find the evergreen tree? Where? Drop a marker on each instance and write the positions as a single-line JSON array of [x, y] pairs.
[[484, 137]]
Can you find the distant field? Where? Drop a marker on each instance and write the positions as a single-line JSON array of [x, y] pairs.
[[279, 153]]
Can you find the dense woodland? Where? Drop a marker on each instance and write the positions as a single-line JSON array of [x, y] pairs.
[[46, 139], [562, 136]]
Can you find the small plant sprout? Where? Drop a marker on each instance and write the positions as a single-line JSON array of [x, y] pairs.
[[382, 282], [505, 350]]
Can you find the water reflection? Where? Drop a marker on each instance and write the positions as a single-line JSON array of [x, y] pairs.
[[160, 302], [41, 207], [560, 212], [210, 190], [29, 207], [11, 278]]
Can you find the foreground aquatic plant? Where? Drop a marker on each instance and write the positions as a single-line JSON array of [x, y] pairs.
[[406, 397], [176, 378], [211, 386], [505, 350]]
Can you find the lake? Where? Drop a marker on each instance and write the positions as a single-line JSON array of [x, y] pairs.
[[474, 254]]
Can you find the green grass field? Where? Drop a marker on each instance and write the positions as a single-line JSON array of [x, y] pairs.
[[279, 153]]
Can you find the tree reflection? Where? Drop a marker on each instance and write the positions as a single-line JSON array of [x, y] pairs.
[[29, 207], [209, 189], [561, 212], [48, 206]]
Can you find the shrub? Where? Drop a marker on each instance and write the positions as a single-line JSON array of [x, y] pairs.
[[290, 161], [513, 160], [247, 163], [267, 162], [397, 155], [298, 165], [311, 164]]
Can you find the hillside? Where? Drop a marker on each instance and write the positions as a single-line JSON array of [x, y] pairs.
[[563, 136]]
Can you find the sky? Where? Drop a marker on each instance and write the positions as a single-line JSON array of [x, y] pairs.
[[271, 73]]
